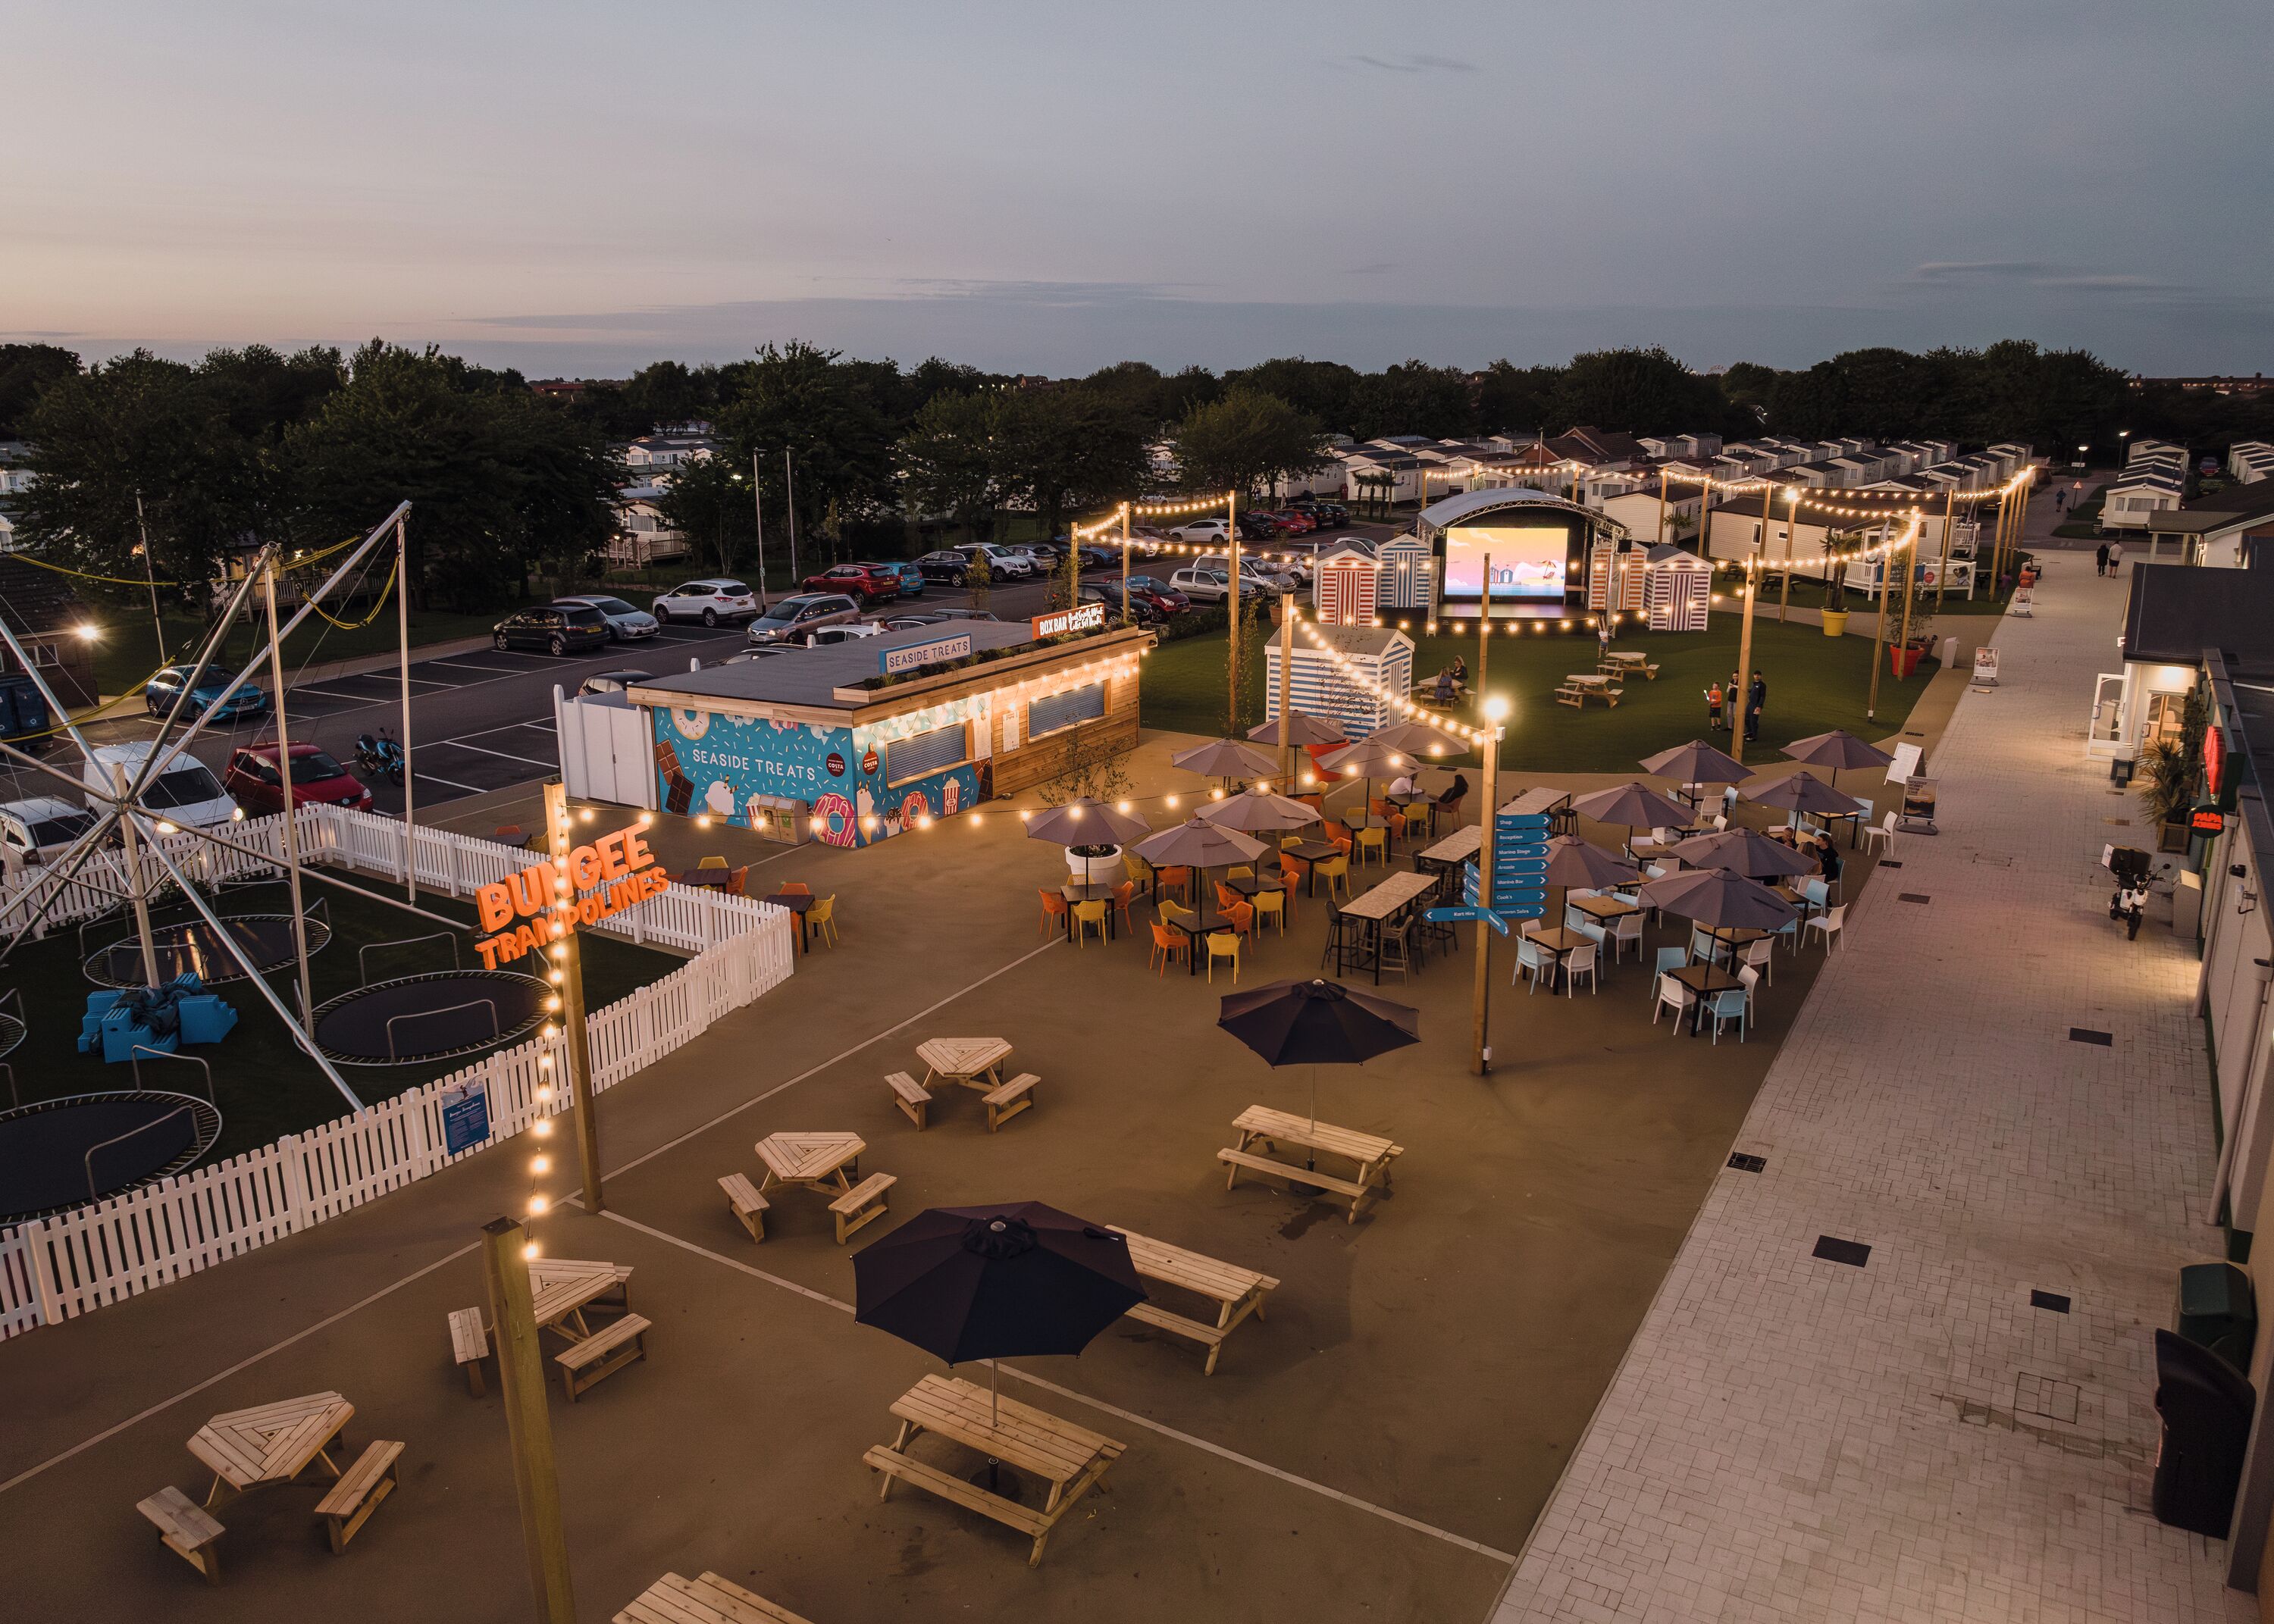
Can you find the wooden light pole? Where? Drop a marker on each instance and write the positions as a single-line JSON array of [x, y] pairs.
[[1910, 577], [1125, 564], [1744, 671], [569, 967], [1791, 518], [1942, 571], [1480, 1040], [529, 1428], [1231, 619], [1287, 693], [1484, 624], [291, 810]]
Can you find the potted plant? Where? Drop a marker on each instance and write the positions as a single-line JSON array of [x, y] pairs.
[[1835, 596], [2166, 781]]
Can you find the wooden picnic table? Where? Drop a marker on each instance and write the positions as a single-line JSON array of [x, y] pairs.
[[1578, 687], [815, 1160], [270, 1443], [1259, 1125], [707, 1600], [1705, 980], [1237, 1292], [1378, 903], [561, 1288], [1069, 1458], [976, 1063]]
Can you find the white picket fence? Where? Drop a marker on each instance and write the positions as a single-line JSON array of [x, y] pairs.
[[54, 1268]]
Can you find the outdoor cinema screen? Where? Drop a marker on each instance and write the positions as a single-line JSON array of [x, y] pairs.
[[1530, 560]]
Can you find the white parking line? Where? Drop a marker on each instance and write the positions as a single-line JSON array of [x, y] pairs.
[[488, 671], [460, 744], [324, 693], [425, 777]]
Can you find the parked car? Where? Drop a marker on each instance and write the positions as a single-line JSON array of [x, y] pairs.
[[1166, 598], [795, 620], [871, 583], [40, 827], [1293, 521], [318, 780], [710, 600], [1259, 526], [625, 623], [556, 628], [1211, 586], [613, 682], [1269, 575], [845, 631], [160, 692], [1326, 515], [1206, 532], [967, 615], [911, 578], [948, 565], [1004, 562], [1108, 593], [24, 718], [183, 790]]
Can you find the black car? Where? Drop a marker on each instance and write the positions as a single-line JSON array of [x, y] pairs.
[[556, 628], [1143, 610], [1326, 515], [1256, 527]]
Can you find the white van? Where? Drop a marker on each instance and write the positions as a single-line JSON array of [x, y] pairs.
[[183, 789]]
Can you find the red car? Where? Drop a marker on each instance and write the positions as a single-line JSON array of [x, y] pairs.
[[317, 780], [1165, 598], [1294, 523], [870, 583]]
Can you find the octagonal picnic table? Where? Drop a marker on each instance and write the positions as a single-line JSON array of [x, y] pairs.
[[817, 1161], [561, 1288], [976, 1063], [270, 1443]]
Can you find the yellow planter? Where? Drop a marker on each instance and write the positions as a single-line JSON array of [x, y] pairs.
[[1835, 622]]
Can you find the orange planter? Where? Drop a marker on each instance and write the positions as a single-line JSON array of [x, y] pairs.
[[1903, 661]]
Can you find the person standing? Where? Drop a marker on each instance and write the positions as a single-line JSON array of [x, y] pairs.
[[1714, 709], [2115, 556], [2100, 557]]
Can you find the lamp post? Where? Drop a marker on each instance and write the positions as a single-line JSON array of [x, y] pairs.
[[1231, 619], [505, 1249], [1791, 517], [1495, 713], [569, 962], [758, 511], [1878, 642]]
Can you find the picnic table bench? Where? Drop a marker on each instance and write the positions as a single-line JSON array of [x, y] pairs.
[[593, 1359], [1261, 1125], [1579, 687], [864, 1203], [186, 1528], [1071, 1459], [469, 1345], [913, 1098], [707, 1600], [1237, 1292], [748, 1205], [359, 1492]]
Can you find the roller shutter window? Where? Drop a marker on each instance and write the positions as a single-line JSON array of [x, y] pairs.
[[922, 755], [1061, 711]]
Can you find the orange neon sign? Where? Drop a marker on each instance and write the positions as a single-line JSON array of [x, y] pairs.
[[618, 869]]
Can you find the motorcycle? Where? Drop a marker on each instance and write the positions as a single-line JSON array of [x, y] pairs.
[[377, 755], [2127, 904]]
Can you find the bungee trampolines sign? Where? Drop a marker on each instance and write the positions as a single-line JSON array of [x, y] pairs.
[[618, 869]]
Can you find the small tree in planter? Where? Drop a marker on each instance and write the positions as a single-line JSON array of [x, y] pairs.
[[1088, 766], [2167, 785]]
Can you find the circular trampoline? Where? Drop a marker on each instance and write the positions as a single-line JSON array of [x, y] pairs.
[[61, 1153], [437, 1016], [197, 947]]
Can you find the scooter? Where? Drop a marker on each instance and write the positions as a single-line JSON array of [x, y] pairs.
[[2127, 904], [381, 755]]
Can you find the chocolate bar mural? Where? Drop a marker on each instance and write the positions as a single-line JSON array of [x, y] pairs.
[[706, 762]]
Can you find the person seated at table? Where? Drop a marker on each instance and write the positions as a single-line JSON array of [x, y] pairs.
[[1455, 793], [1401, 785], [1826, 855], [1460, 674]]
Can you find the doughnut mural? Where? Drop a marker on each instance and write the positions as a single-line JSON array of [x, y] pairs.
[[710, 762]]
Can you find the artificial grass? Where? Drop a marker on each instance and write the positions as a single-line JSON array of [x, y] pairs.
[[264, 1085], [1816, 683]]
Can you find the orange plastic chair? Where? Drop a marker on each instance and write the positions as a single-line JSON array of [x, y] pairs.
[[1226, 898], [796, 888], [738, 881], [1054, 909], [1241, 917], [1178, 879], [1122, 893], [1167, 944]]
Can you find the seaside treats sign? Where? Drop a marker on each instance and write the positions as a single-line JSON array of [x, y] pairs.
[[914, 656], [1080, 618], [617, 868]]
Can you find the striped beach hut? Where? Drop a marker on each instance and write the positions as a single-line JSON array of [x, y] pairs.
[[1681, 586], [1343, 592], [1608, 557], [1380, 664], [1408, 575]]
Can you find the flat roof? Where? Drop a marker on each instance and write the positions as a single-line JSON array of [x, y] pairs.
[[812, 676], [2175, 613]]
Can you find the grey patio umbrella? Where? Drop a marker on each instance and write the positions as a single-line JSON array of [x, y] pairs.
[[1259, 809], [1743, 851], [1225, 758], [1633, 806], [1370, 758], [1696, 762], [1198, 845], [1419, 739], [1719, 900], [1303, 730], [1836, 749], [1804, 792], [1573, 862], [1085, 822]]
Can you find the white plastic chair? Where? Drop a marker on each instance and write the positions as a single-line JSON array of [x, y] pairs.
[[1830, 922], [1582, 962], [1530, 927], [1672, 994], [1532, 963], [1760, 957], [1880, 837], [1625, 928]]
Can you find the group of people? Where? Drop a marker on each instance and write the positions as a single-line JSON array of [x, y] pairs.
[[1452, 681], [2109, 555], [1721, 707], [1812, 843]]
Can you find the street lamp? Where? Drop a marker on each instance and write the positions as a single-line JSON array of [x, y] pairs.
[[2121, 436]]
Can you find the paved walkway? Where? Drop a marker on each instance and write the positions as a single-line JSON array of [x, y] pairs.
[[1794, 1437]]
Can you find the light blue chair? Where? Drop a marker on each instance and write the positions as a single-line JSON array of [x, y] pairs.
[[1668, 959], [1534, 962], [1703, 947], [1725, 1007], [1594, 932]]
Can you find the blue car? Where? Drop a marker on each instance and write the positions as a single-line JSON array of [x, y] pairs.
[[911, 578], [162, 689]]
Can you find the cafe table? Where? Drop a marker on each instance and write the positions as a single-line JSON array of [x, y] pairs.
[[1561, 944], [1705, 980], [1087, 891], [797, 902], [1195, 924], [716, 879], [1604, 908], [1311, 853]]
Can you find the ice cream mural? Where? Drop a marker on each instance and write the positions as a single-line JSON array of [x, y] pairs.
[[724, 765]]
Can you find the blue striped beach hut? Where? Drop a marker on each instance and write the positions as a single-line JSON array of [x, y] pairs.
[[1378, 658]]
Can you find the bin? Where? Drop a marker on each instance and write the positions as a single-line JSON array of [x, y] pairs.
[[2217, 1310]]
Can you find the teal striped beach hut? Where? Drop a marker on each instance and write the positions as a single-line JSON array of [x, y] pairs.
[[1371, 667]]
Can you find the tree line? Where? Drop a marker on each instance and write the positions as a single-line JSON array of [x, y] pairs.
[[249, 445]]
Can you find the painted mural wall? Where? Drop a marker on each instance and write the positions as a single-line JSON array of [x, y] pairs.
[[708, 763]]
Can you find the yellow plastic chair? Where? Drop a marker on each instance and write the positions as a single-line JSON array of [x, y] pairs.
[[1335, 872], [1239, 871], [1288, 843], [712, 862], [1088, 916], [1374, 844], [821, 918], [1223, 944], [1272, 905], [1138, 869]]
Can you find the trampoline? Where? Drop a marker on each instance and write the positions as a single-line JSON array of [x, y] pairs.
[[197, 947], [437, 1016], [12, 1027], [62, 1153]]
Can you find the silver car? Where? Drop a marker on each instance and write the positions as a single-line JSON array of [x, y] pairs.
[[626, 623]]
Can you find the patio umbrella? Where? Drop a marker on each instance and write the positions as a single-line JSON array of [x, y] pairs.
[[1719, 900], [1258, 810], [1317, 1023], [991, 1282], [1573, 862], [1634, 805], [1198, 845], [1303, 730], [1422, 739], [1085, 822], [1370, 758], [1804, 792], [1225, 758], [1743, 851], [1836, 749], [1696, 762]]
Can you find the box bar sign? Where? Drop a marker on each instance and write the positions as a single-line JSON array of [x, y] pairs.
[[1080, 618], [617, 868], [914, 656]]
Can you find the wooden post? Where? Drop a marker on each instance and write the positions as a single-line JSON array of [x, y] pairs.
[[568, 958], [1910, 578], [529, 1428], [291, 817], [1287, 694], [1661, 507], [1744, 670], [1942, 571], [1124, 563], [1484, 626], [1878, 642], [1791, 518], [1231, 619]]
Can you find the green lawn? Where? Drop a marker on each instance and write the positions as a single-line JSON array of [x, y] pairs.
[[1816, 683], [265, 1086], [127, 652]]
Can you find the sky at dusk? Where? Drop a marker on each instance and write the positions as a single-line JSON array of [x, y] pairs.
[[574, 188]]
